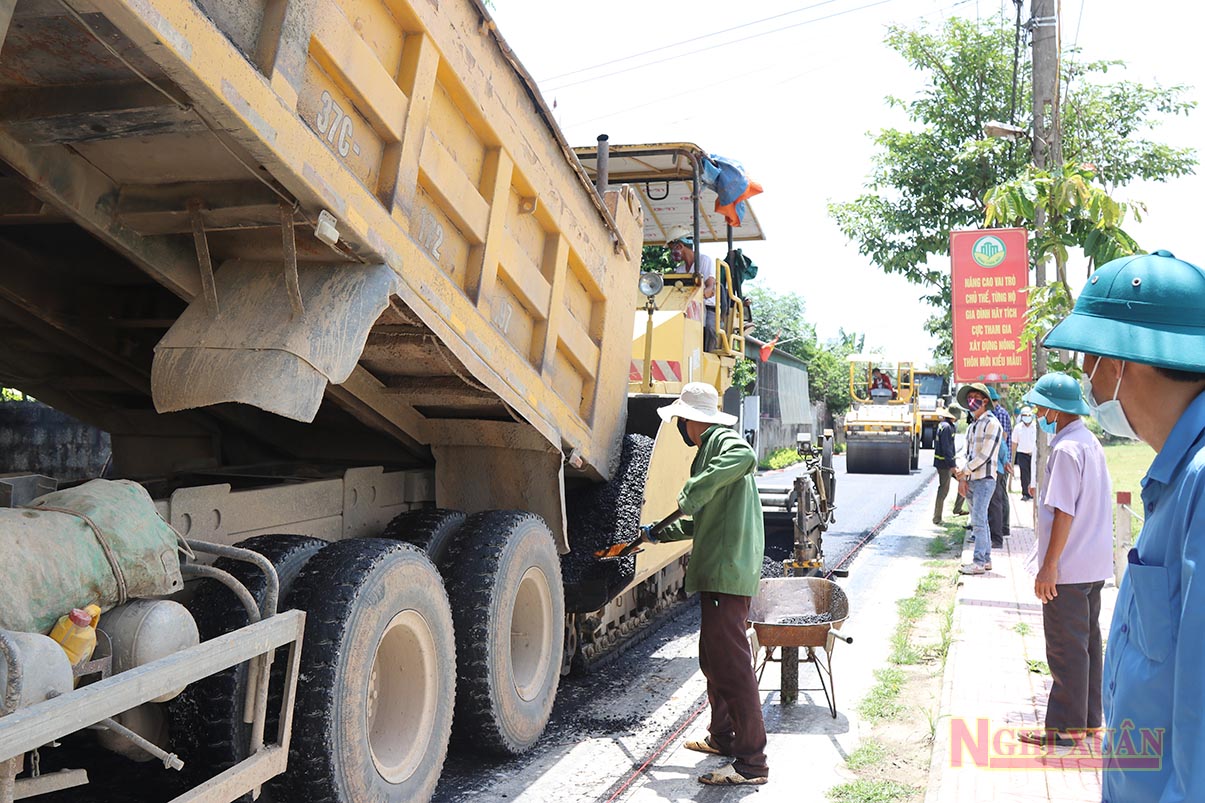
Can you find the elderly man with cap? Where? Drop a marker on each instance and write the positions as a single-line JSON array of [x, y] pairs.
[[725, 568], [682, 250], [944, 460], [1140, 327], [1071, 559], [977, 471], [1024, 444]]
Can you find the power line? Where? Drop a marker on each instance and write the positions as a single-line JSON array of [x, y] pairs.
[[659, 48], [1078, 23], [720, 44]]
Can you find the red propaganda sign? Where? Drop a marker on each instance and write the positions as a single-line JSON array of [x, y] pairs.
[[989, 273]]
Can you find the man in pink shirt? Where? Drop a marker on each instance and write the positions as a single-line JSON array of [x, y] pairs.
[[1071, 559]]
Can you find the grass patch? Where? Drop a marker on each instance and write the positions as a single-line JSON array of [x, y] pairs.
[[864, 791], [902, 651], [1128, 463], [868, 754], [930, 584], [883, 700], [781, 458], [946, 634], [1022, 628], [951, 539], [1038, 667], [912, 608]]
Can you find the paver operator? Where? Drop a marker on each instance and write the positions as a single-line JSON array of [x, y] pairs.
[[1139, 327], [725, 568], [682, 249]]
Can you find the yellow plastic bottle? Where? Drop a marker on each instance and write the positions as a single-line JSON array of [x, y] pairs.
[[76, 633]]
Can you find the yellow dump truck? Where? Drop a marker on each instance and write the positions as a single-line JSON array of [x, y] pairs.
[[883, 426], [362, 330]]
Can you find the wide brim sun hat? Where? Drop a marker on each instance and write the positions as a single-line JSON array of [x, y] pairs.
[[965, 389], [698, 402], [1060, 392], [681, 234], [1148, 308]]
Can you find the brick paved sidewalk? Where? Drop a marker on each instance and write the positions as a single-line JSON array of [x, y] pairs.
[[989, 692]]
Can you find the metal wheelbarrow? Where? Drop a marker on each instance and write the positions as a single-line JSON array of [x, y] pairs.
[[799, 612]]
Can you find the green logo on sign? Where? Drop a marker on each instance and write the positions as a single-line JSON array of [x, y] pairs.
[[988, 252]]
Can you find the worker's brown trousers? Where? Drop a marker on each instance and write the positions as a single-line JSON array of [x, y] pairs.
[[736, 727]]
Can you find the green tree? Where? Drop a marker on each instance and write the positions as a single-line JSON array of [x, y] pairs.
[[656, 259], [782, 316], [934, 177], [1077, 211]]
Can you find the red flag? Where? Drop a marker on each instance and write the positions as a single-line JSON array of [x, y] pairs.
[[768, 348]]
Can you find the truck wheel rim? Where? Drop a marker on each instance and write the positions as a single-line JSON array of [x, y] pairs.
[[531, 634], [401, 696]]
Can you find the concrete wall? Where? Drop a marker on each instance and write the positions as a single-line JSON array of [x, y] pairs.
[[786, 407], [39, 439]]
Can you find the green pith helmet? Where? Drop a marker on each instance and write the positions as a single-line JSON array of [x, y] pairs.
[[1144, 308], [1060, 392], [965, 389], [955, 410]]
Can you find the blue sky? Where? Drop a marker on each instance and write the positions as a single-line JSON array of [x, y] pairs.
[[795, 102]]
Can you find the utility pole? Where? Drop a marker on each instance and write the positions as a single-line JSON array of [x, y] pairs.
[[1047, 139]]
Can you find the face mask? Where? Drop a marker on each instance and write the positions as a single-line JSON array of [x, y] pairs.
[[1050, 427], [1110, 415], [975, 404], [1027, 419], [685, 435]]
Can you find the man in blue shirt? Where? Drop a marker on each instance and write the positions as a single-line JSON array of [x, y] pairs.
[[1140, 327]]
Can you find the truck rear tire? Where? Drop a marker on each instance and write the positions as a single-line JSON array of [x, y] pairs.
[[433, 530], [374, 712], [926, 436], [509, 608], [207, 728]]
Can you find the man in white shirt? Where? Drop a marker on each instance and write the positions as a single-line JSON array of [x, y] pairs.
[[682, 250], [1024, 444]]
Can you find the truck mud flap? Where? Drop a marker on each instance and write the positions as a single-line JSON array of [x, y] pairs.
[[255, 349]]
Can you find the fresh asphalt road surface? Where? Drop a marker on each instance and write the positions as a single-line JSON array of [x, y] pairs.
[[863, 502], [607, 723]]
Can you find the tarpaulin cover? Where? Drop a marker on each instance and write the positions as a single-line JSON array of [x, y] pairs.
[[53, 562], [727, 177]]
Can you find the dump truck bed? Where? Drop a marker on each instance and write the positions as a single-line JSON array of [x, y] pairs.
[[175, 174]]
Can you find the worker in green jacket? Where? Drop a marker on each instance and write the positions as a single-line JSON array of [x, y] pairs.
[[725, 566]]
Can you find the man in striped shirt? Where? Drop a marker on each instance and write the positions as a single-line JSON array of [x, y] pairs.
[[977, 470]]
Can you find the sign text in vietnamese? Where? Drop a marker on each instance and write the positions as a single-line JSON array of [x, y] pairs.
[[989, 276]]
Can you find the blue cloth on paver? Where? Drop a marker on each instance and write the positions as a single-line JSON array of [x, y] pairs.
[[1154, 679], [981, 498], [1005, 452]]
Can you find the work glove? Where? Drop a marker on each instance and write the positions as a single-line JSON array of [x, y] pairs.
[[646, 533]]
